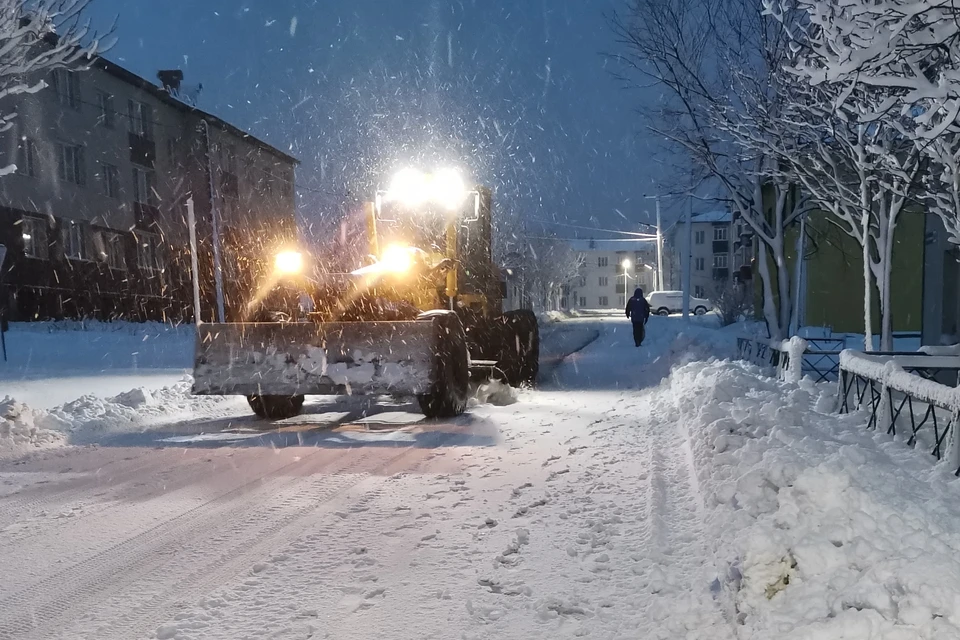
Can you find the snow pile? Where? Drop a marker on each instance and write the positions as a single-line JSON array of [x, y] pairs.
[[494, 392], [824, 530], [21, 429]]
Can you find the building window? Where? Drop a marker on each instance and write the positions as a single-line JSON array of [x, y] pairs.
[[70, 164], [27, 157], [699, 237], [144, 190], [603, 281], [110, 178], [34, 234], [107, 117], [583, 301], [148, 251], [602, 261], [623, 300], [604, 301], [141, 119], [111, 250], [583, 281], [171, 151], [720, 261], [700, 264], [73, 238], [720, 233], [67, 85], [698, 292]]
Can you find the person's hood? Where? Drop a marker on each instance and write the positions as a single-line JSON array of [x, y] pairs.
[[638, 293]]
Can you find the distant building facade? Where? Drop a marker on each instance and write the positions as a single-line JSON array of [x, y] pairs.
[[605, 283], [94, 218], [720, 252]]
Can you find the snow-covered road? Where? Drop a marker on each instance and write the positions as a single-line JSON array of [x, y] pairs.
[[574, 512]]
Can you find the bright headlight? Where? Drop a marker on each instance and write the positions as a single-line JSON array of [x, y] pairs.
[[288, 262], [396, 258], [409, 187], [412, 188], [446, 189]]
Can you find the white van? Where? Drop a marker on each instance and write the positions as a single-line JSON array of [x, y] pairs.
[[663, 303]]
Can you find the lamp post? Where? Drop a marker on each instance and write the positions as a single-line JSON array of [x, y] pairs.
[[659, 280]]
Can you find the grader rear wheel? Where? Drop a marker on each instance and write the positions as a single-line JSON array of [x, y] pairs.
[[520, 348], [448, 397]]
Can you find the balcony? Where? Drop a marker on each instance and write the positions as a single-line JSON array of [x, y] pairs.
[[721, 273], [143, 151], [145, 215], [721, 246]]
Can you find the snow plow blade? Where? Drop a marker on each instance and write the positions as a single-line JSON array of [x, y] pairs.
[[287, 359]]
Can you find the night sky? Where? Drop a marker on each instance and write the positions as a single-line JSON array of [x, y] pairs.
[[517, 94]]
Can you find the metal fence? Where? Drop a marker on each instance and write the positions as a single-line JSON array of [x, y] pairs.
[[903, 399]]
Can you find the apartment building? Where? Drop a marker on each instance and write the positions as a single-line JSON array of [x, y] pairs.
[[612, 269], [718, 253], [94, 218]]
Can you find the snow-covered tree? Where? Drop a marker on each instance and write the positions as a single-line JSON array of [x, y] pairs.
[[700, 52], [845, 139], [37, 36], [544, 265], [908, 52]]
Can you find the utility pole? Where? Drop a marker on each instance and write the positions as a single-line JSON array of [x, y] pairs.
[[659, 280], [215, 224], [687, 257], [194, 265], [659, 249]]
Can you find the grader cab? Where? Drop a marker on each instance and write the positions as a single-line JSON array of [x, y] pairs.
[[423, 316]]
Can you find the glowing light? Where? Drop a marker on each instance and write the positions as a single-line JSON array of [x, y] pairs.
[[288, 262], [447, 189], [27, 236], [409, 187], [626, 265], [444, 187], [396, 258]]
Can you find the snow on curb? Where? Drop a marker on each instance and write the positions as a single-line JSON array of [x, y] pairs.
[[22, 430], [823, 529]]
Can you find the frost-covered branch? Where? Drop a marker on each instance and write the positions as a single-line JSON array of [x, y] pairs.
[[37, 36], [694, 50]]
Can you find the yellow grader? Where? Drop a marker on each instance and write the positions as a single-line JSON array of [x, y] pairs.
[[423, 316]]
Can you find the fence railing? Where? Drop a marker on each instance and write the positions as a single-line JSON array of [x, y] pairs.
[[786, 356], [902, 398]]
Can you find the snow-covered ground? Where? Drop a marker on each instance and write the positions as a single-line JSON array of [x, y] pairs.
[[51, 363], [639, 493]]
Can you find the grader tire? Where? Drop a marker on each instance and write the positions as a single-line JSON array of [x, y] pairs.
[[448, 397], [276, 407], [520, 350]]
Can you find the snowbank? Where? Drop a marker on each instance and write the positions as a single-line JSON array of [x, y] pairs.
[[823, 529], [22, 429], [45, 349]]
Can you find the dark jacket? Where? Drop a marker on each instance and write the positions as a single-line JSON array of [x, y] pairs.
[[638, 309]]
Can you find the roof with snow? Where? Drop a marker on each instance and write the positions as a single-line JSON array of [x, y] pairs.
[[626, 244], [713, 216]]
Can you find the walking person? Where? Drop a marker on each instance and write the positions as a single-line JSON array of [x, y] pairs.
[[638, 310]]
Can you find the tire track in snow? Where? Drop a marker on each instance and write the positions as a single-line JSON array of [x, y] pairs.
[[38, 497], [37, 606], [310, 502]]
